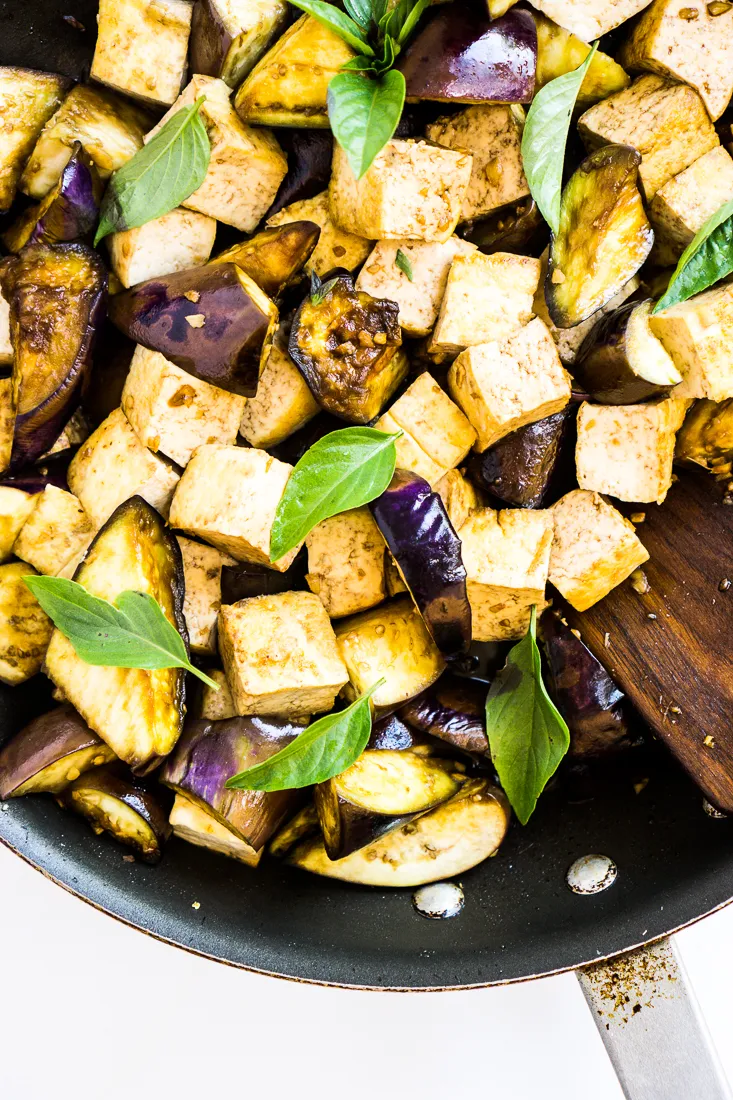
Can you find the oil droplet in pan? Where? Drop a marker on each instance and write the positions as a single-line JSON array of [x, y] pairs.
[[438, 900], [591, 874]]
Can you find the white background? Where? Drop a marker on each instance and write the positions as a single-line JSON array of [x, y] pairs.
[[92, 1010]]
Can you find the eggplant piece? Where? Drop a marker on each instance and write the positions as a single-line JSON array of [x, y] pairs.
[[309, 153], [346, 346], [246, 579], [304, 824], [604, 236], [420, 537], [103, 388], [209, 753], [379, 792], [123, 807], [559, 52], [213, 322], [228, 39], [443, 843], [138, 712], [28, 98], [16, 506], [25, 629], [461, 56], [69, 211], [50, 753], [56, 294], [392, 734], [192, 823], [706, 438], [517, 228], [454, 710], [275, 257]]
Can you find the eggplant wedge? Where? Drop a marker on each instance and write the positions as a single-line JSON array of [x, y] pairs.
[[69, 211], [706, 438], [346, 345], [227, 40], [122, 807], [304, 824], [213, 322], [275, 257], [560, 52], [604, 236], [518, 228], [246, 579], [50, 753], [27, 101], [621, 362], [138, 712], [453, 710], [309, 153], [56, 294], [379, 792], [25, 629], [192, 823], [441, 844]]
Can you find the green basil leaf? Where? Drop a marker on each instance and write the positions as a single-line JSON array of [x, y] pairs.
[[160, 176], [705, 261], [360, 11], [319, 290], [134, 632], [408, 26], [364, 114], [326, 748], [338, 22], [360, 64], [379, 10], [403, 263], [545, 137], [390, 49], [527, 734], [344, 470]]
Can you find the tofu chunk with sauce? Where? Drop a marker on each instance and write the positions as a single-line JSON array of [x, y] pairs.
[[682, 206], [502, 387], [228, 497], [202, 577], [25, 629], [460, 497], [698, 334], [142, 48], [28, 99], [589, 19], [594, 548], [15, 507], [507, 560], [173, 412], [280, 655], [113, 465], [346, 563], [412, 189], [6, 347], [56, 530], [626, 451], [214, 704], [666, 122], [179, 240], [437, 435], [336, 247], [283, 403]]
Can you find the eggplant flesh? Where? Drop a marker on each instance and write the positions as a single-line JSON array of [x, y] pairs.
[[275, 257], [227, 47], [560, 52], [50, 753], [517, 227], [122, 807], [244, 580], [304, 824], [69, 211], [706, 438], [393, 734], [452, 710], [192, 823]]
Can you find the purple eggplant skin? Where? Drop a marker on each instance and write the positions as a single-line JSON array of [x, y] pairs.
[[113, 801], [392, 734], [50, 753], [34, 479], [461, 56], [420, 537], [212, 322], [453, 710], [517, 227], [57, 295], [211, 752], [68, 213], [244, 580], [309, 153]]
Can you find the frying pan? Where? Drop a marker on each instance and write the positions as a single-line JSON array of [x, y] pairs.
[[520, 921]]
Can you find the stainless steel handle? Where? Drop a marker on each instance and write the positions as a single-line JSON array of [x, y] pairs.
[[652, 1028]]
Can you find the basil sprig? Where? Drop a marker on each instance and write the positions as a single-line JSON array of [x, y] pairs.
[[527, 734], [133, 632], [326, 748], [343, 470], [160, 176], [706, 260], [545, 138], [402, 261]]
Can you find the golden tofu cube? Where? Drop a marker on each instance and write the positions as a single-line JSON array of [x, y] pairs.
[[594, 548], [685, 203], [175, 242], [589, 19], [346, 556], [15, 507], [335, 248], [280, 655], [142, 47], [283, 403], [202, 576], [502, 387], [412, 189], [56, 530], [698, 334], [212, 704], [507, 559], [459, 496], [6, 347], [25, 629]]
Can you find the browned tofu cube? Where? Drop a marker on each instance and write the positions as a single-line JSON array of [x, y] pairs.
[[56, 530], [589, 19], [685, 203], [336, 247], [202, 576], [213, 704], [346, 556], [459, 496], [15, 507], [6, 347], [25, 629], [142, 47], [175, 242], [698, 334], [283, 403]]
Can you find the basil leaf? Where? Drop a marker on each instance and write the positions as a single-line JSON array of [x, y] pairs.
[[412, 20], [134, 632], [326, 748], [338, 22], [390, 49], [343, 470], [364, 114], [705, 261], [160, 176], [403, 263], [360, 11], [379, 10], [527, 734], [545, 137], [319, 290], [360, 64]]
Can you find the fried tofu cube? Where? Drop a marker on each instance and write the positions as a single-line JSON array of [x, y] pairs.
[[691, 42], [7, 421], [28, 99], [15, 507], [56, 530], [589, 19], [228, 497], [202, 576], [698, 334], [173, 412], [502, 387], [113, 465], [228, 37], [459, 496], [74, 433], [247, 165], [437, 436], [25, 629], [412, 189], [283, 403], [390, 642], [666, 122], [213, 704], [686, 202], [507, 560], [492, 134], [594, 548], [626, 451], [336, 247], [6, 347], [280, 655], [175, 242], [142, 48], [487, 298], [346, 556], [418, 297]]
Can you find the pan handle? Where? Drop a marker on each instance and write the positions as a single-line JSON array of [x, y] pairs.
[[652, 1027]]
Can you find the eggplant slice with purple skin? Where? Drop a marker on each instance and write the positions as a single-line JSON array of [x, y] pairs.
[[420, 537], [56, 294], [275, 257], [453, 710], [216, 47], [122, 806], [304, 824], [706, 438], [517, 227], [194, 824], [309, 154], [245, 580], [212, 322], [50, 753]]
